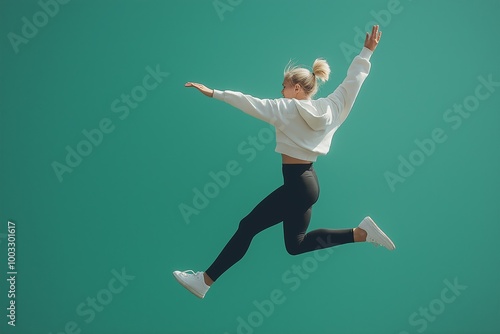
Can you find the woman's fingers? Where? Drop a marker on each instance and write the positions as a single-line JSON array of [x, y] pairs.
[[375, 35], [193, 84], [372, 39], [202, 88]]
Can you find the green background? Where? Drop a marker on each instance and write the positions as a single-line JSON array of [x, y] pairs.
[[119, 208]]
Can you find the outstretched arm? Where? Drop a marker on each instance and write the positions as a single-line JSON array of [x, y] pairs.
[[268, 110], [342, 99]]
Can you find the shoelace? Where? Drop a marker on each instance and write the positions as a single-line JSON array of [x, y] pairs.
[[188, 272]]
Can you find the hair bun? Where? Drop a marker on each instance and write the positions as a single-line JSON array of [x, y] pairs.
[[321, 69]]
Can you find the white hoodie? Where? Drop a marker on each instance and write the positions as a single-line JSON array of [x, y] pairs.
[[305, 128]]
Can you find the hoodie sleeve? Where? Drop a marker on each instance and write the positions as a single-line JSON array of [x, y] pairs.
[[342, 99], [270, 111]]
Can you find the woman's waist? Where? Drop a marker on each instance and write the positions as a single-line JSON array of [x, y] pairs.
[[288, 160]]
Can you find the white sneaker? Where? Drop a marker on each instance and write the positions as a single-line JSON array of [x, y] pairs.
[[375, 235], [192, 281]]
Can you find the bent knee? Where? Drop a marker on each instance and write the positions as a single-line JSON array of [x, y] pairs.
[[293, 249]]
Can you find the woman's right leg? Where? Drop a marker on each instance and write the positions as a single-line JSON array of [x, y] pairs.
[[270, 211]]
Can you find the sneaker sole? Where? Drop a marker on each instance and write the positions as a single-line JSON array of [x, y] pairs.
[[372, 228], [185, 285]]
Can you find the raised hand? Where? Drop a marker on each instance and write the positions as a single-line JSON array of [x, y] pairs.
[[371, 40], [202, 88]]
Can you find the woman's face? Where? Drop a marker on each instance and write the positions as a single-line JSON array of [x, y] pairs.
[[288, 90]]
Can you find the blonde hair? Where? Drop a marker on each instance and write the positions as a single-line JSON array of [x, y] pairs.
[[307, 79]]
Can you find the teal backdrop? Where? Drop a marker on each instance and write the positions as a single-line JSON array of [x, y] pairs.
[[115, 175]]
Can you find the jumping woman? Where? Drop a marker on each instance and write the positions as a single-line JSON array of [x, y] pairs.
[[304, 130]]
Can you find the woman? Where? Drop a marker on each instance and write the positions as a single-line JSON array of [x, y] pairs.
[[304, 130]]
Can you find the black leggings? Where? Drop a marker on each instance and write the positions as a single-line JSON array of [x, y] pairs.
[[291, 204]]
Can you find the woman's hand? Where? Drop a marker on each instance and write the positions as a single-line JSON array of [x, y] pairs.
[[202, 88], [372, 39]]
